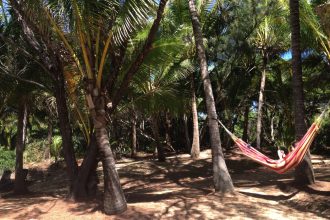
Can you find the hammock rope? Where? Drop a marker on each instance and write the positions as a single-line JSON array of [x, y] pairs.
[[287, 162]]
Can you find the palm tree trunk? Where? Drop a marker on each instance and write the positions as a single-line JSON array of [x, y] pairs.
[[114, 198], [195, 147], [155, 131], [85, 185], [20, 176], [261, 101], [221, 178], [133, 134], [186, 132], [246, 123], [304, 173], [65, 128], [168, 130]]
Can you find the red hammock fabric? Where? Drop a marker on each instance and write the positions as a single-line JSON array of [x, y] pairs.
[[288, 162]]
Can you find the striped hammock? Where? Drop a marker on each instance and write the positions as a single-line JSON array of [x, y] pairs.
[[289, 161]]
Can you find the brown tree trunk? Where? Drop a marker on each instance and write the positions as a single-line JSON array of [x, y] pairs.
[[304, 173], [195, 147], [261, 100], [168, 130], [49, 140], [246, 123], [85, 185], [65, 128], [155, 131], [221, 178], [20, 176], [133, 135], [186, 132], [114, 198]]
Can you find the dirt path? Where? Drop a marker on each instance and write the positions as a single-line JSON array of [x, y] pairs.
[[181, 189]]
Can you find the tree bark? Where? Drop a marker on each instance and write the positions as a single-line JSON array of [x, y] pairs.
[[186, 132], [168, 130], [159, 146], [221, 178], [304, 173], [133, 135], [114, 198], [65, 128], [195, 147], [20, 176], [261, 100], [246, 123], [85, 185]]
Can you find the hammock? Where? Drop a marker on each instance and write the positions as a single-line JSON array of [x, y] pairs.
[[289, 161]]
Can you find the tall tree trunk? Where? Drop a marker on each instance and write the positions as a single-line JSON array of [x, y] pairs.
[[272, 132], [186, 132], [261, 100], [114, 198], [221, 178], [65, 128], [85, 185], [195, 147], [304, 173], [246, 123], [133, 135], [168, 130], [49, 140], [20, 176], [159, 146]]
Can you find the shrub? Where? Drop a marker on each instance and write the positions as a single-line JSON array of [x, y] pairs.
[[7, 159]]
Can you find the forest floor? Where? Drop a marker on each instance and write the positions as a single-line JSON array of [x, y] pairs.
[[178, 189]]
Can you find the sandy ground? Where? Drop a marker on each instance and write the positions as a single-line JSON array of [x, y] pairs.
[[179, 189]]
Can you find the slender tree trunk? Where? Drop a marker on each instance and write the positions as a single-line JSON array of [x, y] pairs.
[[246, 123], [133, 134], [49, 140], [85, 185], [20, 176], [261, 100], [195, 147], [159, 146], [114, 198], [168, 130], [272, 132], [65, 128], [304, 173], [221, 178], [186, 132]]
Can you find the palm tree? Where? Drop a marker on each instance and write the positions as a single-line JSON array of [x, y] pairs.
[[271, 37], [221, 178], [179, 16], [304, 173], [98, 31], [20, 176], [195, 147], [156, 86]]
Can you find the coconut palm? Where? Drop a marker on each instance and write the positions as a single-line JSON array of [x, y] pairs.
[[156, 86], [271, 37], [221, 178], [95, 37]]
